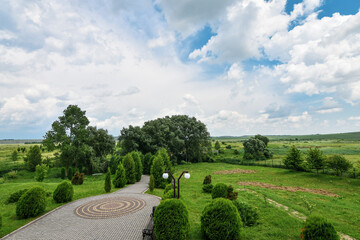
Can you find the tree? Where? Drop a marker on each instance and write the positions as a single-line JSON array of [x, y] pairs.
[[262, 138], [138, 165], [147, 161], [254, 149], [14, 156], [217, 145], [33, 158], [129, 166], [183, 137], [120, 177], [294, 159], [40, 172], [157, 170], [107, 186], [315, 159], [339, 164], [101, 142]]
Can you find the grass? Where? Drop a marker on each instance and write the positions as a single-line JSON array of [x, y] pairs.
[[343, 212], [93, 185]]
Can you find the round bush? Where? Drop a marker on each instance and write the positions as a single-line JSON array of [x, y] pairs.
[[207, 179], [31, 203], [171, 220], [318, 228], [64, 192], [220, 190], [14, 197], [207, 188], [249, 215], [220, 220]]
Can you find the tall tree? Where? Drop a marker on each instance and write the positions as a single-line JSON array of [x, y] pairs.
[[33, 158], [129, 165], [315, 159], [294, 159], [217, 145], [262, 138], [138, 165]]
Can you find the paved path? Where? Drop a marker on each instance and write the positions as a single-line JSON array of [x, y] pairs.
[[63, 223]]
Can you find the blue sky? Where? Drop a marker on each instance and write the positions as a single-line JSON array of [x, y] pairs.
[[240, 66]]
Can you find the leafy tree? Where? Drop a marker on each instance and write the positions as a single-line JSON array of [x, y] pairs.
[[147, 161], [120, 177], [217, 145], [107, 186], [14, 156], [129, 166], [40, 172], [262, 138], [254, 149], [157, 170], [101, 142], [339, 163], [315, 159], [138, 165], [294, 159], [33, 158], [183, 137]]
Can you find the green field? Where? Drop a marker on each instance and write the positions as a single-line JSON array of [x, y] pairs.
[[275, 223]]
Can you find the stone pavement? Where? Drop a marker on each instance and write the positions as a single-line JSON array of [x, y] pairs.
[[63, 223]]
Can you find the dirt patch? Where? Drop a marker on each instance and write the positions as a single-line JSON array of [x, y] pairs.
[[290, 189], [235, 171]]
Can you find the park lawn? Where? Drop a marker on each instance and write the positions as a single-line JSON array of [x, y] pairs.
[[343, 212], [93, 185]]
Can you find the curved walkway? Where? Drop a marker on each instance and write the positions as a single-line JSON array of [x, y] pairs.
[[63, 223]]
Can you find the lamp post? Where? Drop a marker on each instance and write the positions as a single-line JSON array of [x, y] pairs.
[[186, 175]]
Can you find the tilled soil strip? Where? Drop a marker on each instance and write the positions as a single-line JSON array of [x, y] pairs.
[[290, 189], [235, 171]]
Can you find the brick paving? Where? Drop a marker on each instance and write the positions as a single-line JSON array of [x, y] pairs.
[[63, 223]]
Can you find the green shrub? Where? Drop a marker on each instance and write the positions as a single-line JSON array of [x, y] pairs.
[[78, 178], [33, 158], [0, 220], [170, 194], [70, 173], [339, 164], [220, 190], [120, 177], [231, 195], [236, 152], [221, 151], [318, 228], [107, 186], [62, 173], [40, 172], [228, 147], [249, 215], [207, 179], [14, 197], [151, 183], [168, 187], [12, 174], [31, 203], [220, 220], [157, 170], [129, 165], [207, 188], [64, 192], [171, 220], [138, 165]]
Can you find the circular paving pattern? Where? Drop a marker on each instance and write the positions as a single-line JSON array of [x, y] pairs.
[[109, 207]]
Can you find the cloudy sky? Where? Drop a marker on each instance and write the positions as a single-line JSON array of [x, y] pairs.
[[240, 66]]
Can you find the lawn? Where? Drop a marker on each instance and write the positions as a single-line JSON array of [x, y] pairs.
[[275, 223]]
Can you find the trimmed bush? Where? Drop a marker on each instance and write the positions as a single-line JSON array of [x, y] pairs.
[[231, 195], [249, 215], [171, 220], [70, 173], [14, 197], [220, 190], [78, 179], [207, 188], [220, 220], [40, 172], [318, 228], [157, 170], [129, 165], [120, 177], [107, 186], [151, 183], [138, 165], [31, 203], [62, 173], [64, 192], [207, 179]]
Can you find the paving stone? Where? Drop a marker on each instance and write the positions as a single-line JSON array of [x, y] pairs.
[[63, 223]]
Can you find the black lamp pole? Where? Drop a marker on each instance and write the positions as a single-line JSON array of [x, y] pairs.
[[179, 182]]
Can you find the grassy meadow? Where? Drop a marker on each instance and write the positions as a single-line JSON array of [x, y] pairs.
[[274, 223]]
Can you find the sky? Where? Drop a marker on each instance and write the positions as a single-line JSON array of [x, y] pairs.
[[242, 67]]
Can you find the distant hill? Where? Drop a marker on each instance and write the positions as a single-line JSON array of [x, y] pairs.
[[352, 136], [20, 141]]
